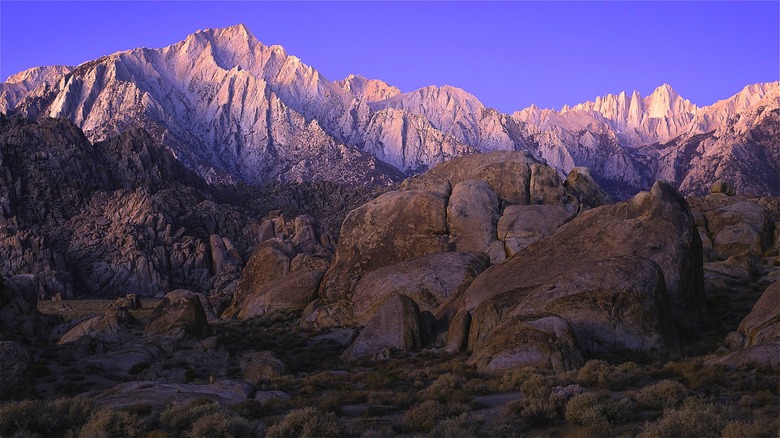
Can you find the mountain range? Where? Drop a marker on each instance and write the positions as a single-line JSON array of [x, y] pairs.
[[233, 109]]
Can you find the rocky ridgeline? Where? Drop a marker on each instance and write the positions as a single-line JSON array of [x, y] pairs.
[[124, 216], [235, 109]]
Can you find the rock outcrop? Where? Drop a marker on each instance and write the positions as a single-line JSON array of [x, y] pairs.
[[396, 325], [456, 206], [178, 315], [285, 270], [105, 327], [757, 339], [257, 367], [17, 376], [618, 290]]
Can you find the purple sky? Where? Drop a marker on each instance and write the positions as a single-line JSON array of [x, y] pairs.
[[507, 54]]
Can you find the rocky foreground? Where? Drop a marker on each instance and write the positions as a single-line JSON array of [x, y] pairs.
[[484, 297]]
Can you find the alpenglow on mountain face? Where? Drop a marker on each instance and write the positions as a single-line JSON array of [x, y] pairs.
[[232, 108]]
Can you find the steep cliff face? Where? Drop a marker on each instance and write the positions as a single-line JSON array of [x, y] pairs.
[[234, 109]]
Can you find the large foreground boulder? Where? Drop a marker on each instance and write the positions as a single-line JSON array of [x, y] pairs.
[[179, 315], [17, 372], [457, 206], [284, 271], [429, 280], [105, 327], [757, 339], [618, 275], [396, 325]]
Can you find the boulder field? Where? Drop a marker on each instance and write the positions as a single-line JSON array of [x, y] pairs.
[[496, 256]]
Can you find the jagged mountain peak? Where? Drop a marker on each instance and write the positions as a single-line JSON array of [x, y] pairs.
[[371, 90], [38, 74]]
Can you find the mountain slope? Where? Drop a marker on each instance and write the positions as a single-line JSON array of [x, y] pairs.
[[234, 109]]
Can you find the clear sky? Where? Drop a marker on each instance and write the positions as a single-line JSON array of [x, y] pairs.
[[508, 54]]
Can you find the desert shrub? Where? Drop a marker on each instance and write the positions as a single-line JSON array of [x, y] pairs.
[[428, 414], [696, 418], [107, 423], [447, 387], [44, 417], [626, 374], [224, 425], [388, 401], [464, 425], [662, 395], [385, 432], [541, 404], [697, 374], [745, 429], [307, 422], [594, 373], [512, 379], [598, 411], [177, 419], [761, 398]]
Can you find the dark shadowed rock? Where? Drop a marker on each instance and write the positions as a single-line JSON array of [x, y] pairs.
[[396, 325], [257, 367], [125, 395], [178, 315], [292, 292], [757, 339], [17, 372], [19, 315], [545, 342]]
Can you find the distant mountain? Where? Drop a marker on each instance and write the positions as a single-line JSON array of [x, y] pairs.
[[234, 109]]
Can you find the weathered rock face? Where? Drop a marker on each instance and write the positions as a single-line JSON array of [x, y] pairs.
[[395, 227], [545, 342], [612, 305], [472, 214], [522, 225], [757, 339], [17, 372], [423, 243], [738, 227], [429, 280], [456, 206], [178, 315], [581, 183], [292, 292], [105, 327], [257, 367], [284, 271], [395, 325], [617, 275]]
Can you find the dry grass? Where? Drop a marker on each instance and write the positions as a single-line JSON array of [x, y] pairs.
[[72, 310]]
